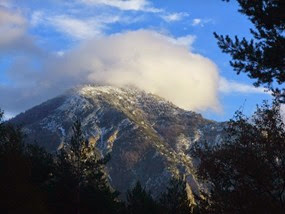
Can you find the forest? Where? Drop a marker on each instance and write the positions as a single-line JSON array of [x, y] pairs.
[[244, 173]]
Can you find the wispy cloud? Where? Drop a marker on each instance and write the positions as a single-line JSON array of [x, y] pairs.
[[196, 22], [8, 115], [37, 18], [14, 32], [187, 40], [12, 26], [174, 17], [135, 5], [201, 22], [229, 86], [76, 27], [5, 3]]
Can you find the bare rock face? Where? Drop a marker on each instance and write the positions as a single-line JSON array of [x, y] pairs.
[[147, 137]]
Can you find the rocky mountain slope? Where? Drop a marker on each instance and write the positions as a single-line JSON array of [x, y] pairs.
[[148, 137]]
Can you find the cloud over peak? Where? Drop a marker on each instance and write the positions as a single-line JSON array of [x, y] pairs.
[[151, 62], [143, 58]]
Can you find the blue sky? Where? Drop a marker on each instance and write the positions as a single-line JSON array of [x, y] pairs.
[[41, 39]]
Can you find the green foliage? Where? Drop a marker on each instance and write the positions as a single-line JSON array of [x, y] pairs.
[[245, 172], [73, 180], [263, 57], [23, 171], [175, 199], [80, 183], [139, 201]]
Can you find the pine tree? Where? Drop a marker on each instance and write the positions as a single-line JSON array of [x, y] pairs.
[[139, 201], [175, 199], [262, 58], [21, 177], [245, 172], [80, 181]]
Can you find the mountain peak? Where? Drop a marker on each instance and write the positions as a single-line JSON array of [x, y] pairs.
[[147, 137], [129, 90], [92, 89]]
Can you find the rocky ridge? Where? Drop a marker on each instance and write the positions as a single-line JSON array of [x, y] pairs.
[[147, 137]]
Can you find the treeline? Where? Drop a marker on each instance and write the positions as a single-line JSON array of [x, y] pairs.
[[244, 173], [72, 180]]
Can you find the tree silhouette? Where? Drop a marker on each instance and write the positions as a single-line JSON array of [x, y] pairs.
[[245, 173], [73, 180], [176, 199], [263, 57], [23, 172], [80, 181], [139, 201]]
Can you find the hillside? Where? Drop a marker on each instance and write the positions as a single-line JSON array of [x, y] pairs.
[[147, 137]]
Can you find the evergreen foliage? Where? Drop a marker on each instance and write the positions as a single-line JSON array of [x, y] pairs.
[[23, 172], [73, 180], [245, 172], [139, 201], [175, 199], [80, 182], [262, 58]]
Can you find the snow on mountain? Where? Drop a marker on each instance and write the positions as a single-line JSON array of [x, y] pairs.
[[147, 137]]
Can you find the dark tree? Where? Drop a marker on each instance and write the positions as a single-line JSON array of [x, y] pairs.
[[263, 57], [80, 182], [72, 181], [24, 170], [245, 173], [176, 198], [139, 201]]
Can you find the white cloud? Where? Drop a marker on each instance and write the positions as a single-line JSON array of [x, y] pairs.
[[143, 58], [12, 26], [5, 3], [37, 18], [173, 17], [60, 53], [136, 5], [201, 22], [76, 28], [8, 116], [196, 22], [187, 40], [149, 61], [229, 86], [80, 28], [14, 32], [11, 18]]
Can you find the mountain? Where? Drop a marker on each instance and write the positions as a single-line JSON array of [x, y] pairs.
[[147, 137]]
